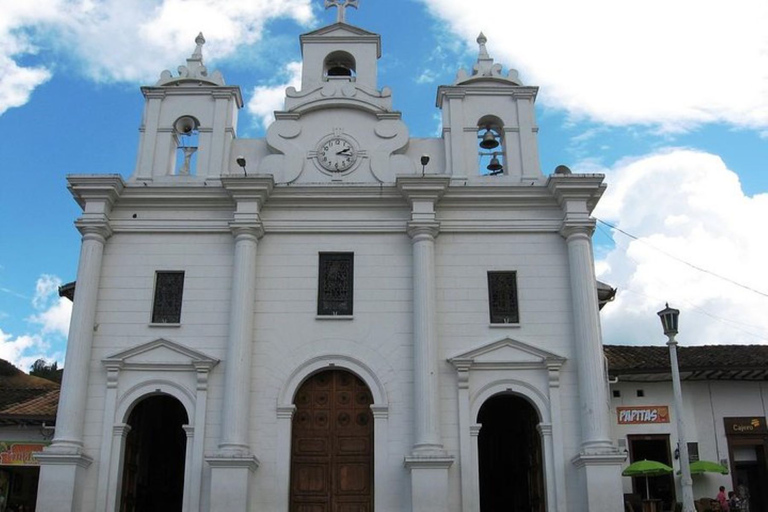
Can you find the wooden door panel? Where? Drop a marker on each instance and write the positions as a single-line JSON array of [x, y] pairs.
[[332, 445]]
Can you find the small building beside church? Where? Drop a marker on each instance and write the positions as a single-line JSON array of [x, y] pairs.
[[337, 316], [724, 391]]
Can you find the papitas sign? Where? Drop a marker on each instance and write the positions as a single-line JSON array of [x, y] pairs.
[[748, 425], [19, 454], [644, 414]]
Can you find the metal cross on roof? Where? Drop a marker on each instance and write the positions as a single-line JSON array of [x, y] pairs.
[[341, 5]]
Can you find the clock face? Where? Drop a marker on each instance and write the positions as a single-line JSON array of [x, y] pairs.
[[336, 155]]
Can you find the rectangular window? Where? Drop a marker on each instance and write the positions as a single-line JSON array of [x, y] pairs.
[[502, 297], [693, 452], [335, 283], [169, 287]]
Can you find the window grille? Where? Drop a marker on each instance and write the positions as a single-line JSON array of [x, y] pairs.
[[502, 297], [335, 284], [169, 287]]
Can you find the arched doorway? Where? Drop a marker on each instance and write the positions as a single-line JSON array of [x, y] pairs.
[[332, 445], [155, 449], [509, 455]]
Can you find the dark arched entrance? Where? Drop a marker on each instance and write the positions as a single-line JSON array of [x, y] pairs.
[[332, 445], [509, 453], [155, 449]]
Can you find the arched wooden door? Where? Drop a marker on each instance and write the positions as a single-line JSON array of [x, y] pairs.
[[332, 445]]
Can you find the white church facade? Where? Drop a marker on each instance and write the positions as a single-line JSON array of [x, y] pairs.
[[336, 317]]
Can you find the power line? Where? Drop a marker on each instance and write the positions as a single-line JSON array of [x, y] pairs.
[[695, 267]]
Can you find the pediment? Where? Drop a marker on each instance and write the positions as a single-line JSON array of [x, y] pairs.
[[339, 30], [506, 353], [160, 354]]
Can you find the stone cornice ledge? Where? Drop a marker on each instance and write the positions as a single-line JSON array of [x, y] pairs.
[[428, 462], [577, 193], [63, 459], [598, 459], [423, 188], [104, 188], [236, 461]]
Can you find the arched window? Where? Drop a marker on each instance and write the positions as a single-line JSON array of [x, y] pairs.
[[490, 140], [186, 134], [339, 65]]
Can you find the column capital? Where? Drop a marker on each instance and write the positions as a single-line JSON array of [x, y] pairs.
[[421, 230], [94, 229], [583, 227], [242, 229]]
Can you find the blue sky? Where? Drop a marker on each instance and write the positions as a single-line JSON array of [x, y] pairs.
[[669, 100]]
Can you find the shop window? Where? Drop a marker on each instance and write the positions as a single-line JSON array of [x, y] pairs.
[[502, 297], [335, 283], [169, 288]]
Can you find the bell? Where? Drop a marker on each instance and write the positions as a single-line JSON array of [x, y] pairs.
[[489, 141], [495, 167]]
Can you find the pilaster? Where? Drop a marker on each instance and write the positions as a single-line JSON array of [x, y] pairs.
[[233, 461], [599, 460], [428, 462]]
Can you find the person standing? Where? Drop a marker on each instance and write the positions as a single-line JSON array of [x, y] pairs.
[[722, 499]]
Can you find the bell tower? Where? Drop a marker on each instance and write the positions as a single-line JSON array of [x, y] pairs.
[[489, 125], [188, 124]]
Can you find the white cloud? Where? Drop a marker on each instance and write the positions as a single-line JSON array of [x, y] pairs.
[[125, 40], [671, 64], [265, 99], [52, 317], [22, 351], [689, 205]]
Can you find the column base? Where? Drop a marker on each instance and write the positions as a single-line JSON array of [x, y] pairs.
[[60, 476], [230, 477], [429, 482], [602, 479]]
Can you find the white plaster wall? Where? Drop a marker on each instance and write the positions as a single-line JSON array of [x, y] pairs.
[[288, 334], [540, 260]]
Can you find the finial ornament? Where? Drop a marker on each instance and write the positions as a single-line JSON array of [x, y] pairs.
[[199, 41], [485, 68], [195, 72], [341, 5]]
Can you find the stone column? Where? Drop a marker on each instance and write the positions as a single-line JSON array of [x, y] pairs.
[[428, 462], [425, 371], [593, 394], [62, 463], [599, 460], [233, 461], [237, 380]]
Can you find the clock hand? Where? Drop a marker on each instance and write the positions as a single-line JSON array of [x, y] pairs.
[[343, 152]]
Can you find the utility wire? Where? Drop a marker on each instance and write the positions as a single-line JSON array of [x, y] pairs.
[[740, 285]]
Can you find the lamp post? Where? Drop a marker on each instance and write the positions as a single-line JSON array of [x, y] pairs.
[[669, 322]]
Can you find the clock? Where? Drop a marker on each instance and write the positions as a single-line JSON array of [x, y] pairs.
[[336, 154]]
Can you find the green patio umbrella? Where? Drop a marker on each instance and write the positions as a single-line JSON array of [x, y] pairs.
[[706, 466], [646, 468]]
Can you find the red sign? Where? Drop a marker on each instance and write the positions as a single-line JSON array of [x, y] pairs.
[[19, 454], [643, 414]]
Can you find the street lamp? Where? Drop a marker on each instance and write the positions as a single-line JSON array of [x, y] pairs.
[[669, 318]]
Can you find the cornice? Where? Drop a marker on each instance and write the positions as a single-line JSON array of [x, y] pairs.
[[216, 91], [105, 188], [423, 188], [485, 88]]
